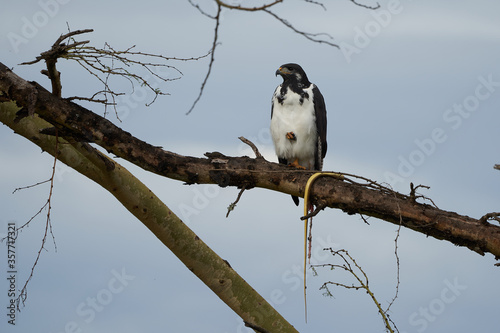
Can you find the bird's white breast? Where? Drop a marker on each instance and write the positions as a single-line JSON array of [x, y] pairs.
[[299, 118]]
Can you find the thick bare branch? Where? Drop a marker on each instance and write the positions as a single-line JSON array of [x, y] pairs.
[[347, 194]]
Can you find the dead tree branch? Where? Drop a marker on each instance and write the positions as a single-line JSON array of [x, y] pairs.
[[349, 265], [212, 57], [314, 37], [310, 36], [251, 144], [352, 194], [23, 293], [233, 205], [102, 63]]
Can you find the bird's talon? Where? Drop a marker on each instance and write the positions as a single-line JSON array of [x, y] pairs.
[[297, 165], [291, 136]]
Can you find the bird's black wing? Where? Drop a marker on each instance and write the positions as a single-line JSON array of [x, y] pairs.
[[320, 112], [272, 108]]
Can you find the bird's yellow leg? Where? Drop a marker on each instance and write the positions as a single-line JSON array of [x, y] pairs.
[[296, 164]]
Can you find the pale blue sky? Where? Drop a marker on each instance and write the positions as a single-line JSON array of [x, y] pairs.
[[393, 99]]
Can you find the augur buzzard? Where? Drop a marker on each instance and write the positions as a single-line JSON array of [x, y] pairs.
[[298, 121]]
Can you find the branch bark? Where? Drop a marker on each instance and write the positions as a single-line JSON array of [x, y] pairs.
[[345, 194]]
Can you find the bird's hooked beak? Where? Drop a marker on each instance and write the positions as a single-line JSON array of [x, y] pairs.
[[282, 71]]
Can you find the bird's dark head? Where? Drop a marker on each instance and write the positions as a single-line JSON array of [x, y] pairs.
[[292, 72]]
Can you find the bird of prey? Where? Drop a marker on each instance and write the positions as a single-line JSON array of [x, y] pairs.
[[298, 121]]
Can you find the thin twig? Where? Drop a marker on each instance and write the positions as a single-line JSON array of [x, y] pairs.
[[265, 8], [309, 240], [233, 205], [387, 189], [365, 219], [30, 186], [365, 6], [413, 194], [252, 145], [34, 216], [490, 216], [104, 62], [359, 274], [316, 3], [212, 58], [307, 35], [90, 99], [318, 209], [23, 294], [397, 255], [201, 10], [248, 9]]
